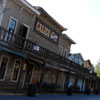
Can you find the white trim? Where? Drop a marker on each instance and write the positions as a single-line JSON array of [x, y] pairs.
[[6, 66], [16, 23], [18, 71], [21, 9], [27, 30], [30, 6]]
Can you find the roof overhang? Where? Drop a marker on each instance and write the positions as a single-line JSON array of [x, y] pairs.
[[39, 10], [88, 62], [68, 38], [25, 4], [50, 17]]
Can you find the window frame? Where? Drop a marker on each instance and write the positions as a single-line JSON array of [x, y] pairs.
[[13, 70], [65, 53], [60, 51], [6, 67], [28, 27], [15, 25]]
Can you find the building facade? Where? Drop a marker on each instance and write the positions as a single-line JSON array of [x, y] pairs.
[[33, 50], [77, 58]]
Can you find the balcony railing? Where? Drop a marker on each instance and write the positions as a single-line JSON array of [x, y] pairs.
[[16, 41]]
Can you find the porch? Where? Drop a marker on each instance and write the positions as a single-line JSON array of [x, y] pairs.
[[26, 49]]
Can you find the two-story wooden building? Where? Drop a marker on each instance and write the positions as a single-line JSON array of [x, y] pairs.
[[34, 50]]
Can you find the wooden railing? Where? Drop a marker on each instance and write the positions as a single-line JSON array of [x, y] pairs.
[[19, 42]]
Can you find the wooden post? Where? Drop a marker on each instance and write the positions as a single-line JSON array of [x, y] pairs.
[[43, 70], [57, 75], [76, 80], [69, 75], [21, 71], [82, 84], [42, 76], [97, 87], [67, 81]]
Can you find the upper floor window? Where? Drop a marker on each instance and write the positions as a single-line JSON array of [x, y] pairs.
[[60, 50], [16, 70], [65, 53], [3, 67], [12, 25]]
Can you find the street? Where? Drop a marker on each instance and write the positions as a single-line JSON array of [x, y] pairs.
[[50, 97]]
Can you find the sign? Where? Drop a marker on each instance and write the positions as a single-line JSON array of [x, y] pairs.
[[46, 31], [36, 48]]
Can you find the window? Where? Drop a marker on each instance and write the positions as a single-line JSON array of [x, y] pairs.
[[65, 53], [60, 50], [3, 66], [16, 71], [12, 25]]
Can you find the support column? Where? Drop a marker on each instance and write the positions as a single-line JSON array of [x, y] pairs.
[[44, 69], [82, 85], [69, 75], [20, 74], [42, 76], [75, 84], [67, 81], [57, 75], [97, 87]]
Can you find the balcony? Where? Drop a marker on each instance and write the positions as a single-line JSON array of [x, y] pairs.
[[17, 43]]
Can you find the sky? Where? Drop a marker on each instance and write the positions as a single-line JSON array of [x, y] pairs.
[[82, 18]]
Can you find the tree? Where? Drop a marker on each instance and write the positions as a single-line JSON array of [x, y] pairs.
[[97, 69]]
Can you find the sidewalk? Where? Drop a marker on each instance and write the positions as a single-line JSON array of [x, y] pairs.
[[12, 92], [50, 97]]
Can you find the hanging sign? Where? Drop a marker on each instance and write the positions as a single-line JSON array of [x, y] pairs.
[[46, 31]]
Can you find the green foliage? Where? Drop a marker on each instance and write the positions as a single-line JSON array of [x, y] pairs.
[[97, 69]]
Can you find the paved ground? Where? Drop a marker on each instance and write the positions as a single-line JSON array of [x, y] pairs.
[[50, 97]]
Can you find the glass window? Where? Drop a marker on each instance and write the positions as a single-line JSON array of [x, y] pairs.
[[3, 67], [16, 71], [11, 29], [65, 53], [12, 25], [61, 50]]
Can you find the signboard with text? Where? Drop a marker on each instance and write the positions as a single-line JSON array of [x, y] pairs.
[[46, 31]]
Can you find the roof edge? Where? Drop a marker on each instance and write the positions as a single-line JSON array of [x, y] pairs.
[[38, 7], [73, 42], [30, 6]]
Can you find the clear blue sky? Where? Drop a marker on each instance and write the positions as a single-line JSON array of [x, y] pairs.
[[82, 18]]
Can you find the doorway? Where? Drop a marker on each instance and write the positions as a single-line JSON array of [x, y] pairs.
[[23, 32], [28, 75]]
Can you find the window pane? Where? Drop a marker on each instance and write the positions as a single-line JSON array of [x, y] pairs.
[[3, 67], [12, 25], [16, 70], [61, 50]]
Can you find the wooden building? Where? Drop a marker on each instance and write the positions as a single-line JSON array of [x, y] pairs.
[[33, 50]]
